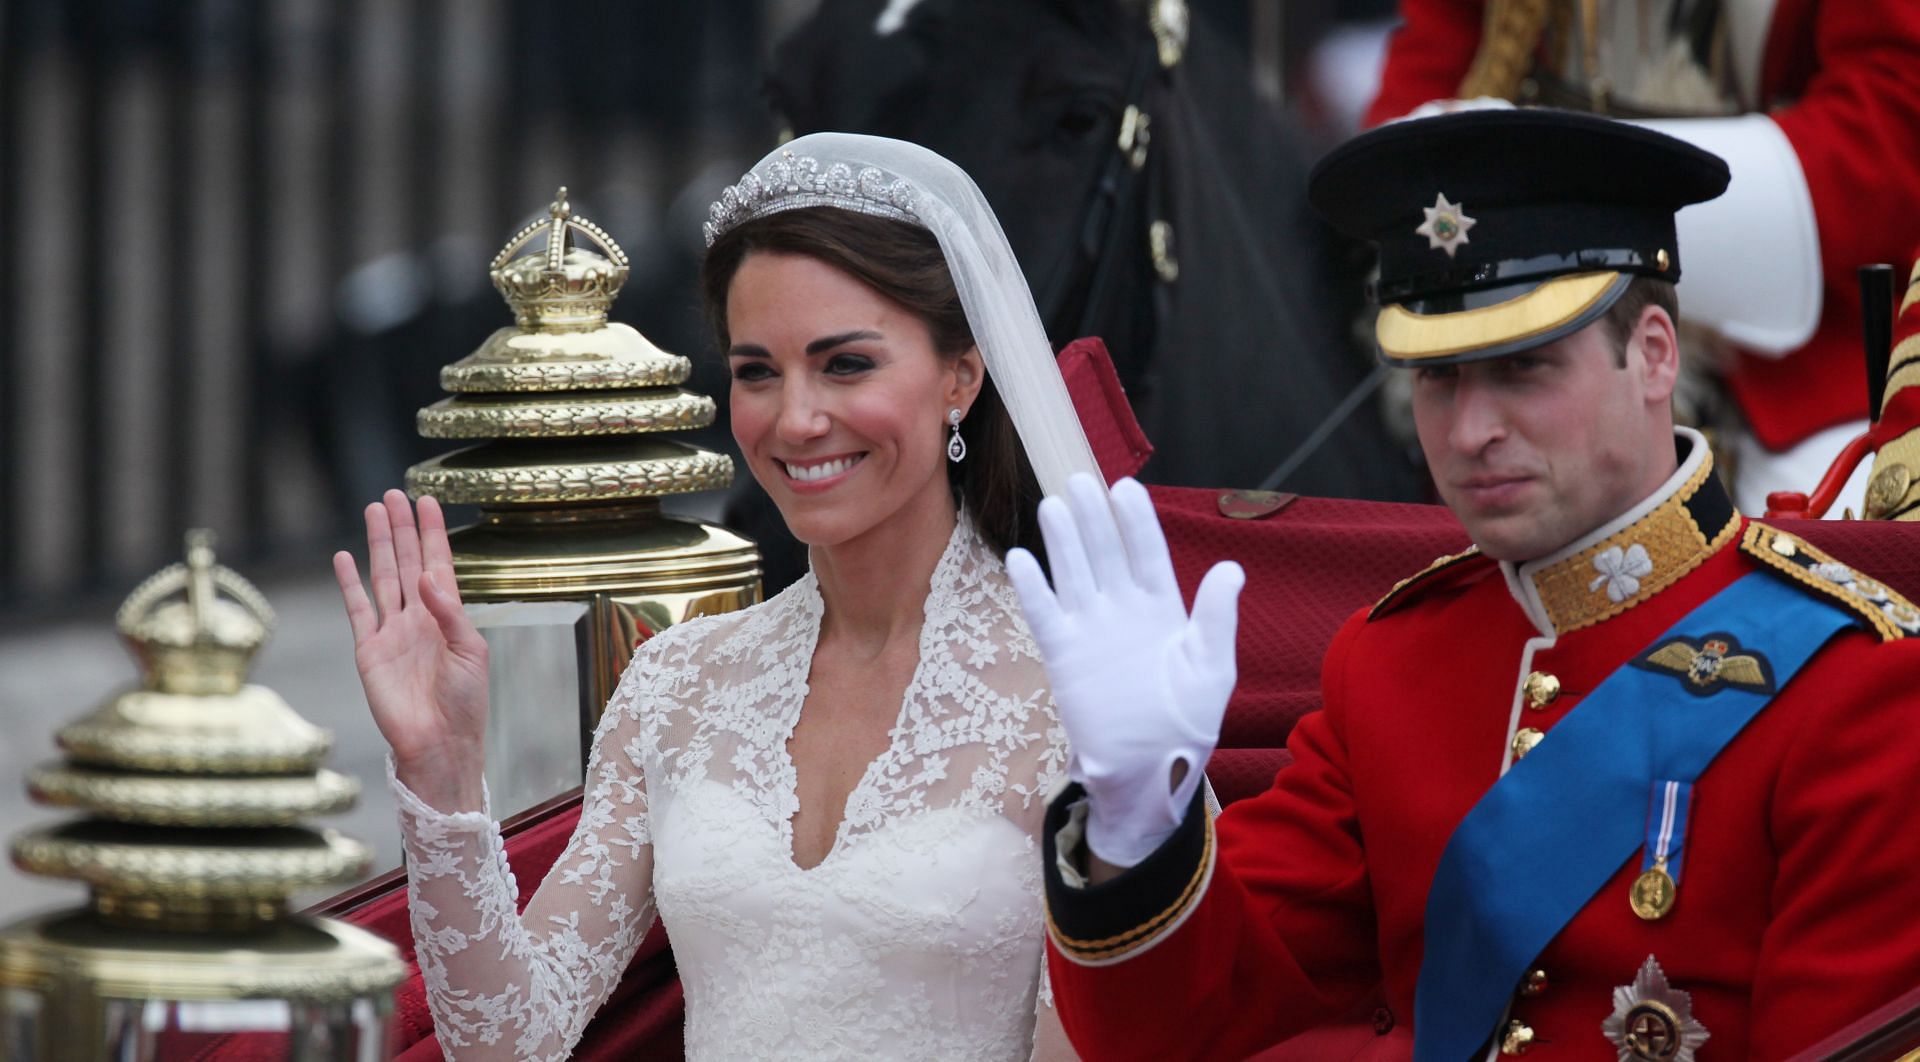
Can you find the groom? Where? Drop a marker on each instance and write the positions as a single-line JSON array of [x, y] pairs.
[[1631, 773]]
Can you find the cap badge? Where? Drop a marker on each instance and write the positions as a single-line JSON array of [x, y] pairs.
[[1653, 1021], [1446, 225]]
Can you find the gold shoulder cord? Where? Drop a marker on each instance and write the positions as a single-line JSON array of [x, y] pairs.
[[1511, 33]]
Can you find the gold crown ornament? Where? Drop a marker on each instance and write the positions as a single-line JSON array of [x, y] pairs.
[[193, 747], [563, 286], [194, 784], [567, 420], [186, 637], [574, 403], [193, 710]]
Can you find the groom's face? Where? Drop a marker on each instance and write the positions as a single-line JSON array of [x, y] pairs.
[[839, 400], [1535, 449]]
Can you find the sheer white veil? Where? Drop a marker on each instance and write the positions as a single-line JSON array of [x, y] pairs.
[[892, 178]]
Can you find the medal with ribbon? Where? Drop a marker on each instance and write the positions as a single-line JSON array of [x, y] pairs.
[[1655, 890]]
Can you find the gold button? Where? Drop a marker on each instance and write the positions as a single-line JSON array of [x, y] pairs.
[[1887, 489], [1541, 689], [1661, 260], [1536, 983], [1525, 740], [1517, 1038], [1784, 546]]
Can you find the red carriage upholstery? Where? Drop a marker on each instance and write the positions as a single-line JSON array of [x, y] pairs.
[[1310, 565], [1311, 562]]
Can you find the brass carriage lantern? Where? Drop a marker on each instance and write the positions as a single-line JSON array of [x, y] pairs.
[[572, 563], [194, 785]]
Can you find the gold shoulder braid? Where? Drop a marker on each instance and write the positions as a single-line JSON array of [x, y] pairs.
[[1439, 565], [1890, 615], [1508, 38]]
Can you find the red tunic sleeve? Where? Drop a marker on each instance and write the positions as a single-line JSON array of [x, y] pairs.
[[1843, 937], [1845, 78], [1428, 56], [1160, 962], [1854, 120]]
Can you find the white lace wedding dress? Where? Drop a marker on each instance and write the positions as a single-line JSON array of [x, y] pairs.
[[918, 936]]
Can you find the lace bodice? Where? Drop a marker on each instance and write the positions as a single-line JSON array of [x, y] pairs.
[[918, 936]]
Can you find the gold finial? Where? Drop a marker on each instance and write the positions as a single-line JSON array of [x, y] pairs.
[[566, 287], [194, 782], [186, 636]]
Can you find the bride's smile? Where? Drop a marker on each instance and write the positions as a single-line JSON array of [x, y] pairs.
[[819, 475], [840, 400]]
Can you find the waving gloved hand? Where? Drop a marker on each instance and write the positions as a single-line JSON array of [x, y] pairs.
[[1141, 686]]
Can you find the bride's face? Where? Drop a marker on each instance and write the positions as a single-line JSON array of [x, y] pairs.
[[839, 399]]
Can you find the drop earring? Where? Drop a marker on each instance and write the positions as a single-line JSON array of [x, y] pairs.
[[956, 446]]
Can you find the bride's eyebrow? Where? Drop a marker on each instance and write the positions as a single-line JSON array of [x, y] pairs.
[[825, 343]]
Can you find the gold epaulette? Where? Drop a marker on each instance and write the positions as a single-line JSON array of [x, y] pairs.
[[1420, 578], [1890, 615]]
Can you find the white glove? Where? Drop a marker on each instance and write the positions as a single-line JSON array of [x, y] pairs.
[[1139, 685]]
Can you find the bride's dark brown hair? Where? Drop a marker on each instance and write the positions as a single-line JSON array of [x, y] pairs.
[[903, 263]]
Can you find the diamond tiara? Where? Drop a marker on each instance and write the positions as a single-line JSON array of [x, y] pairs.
[[790, 182]]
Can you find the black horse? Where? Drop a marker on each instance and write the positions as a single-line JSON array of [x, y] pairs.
[[1221, 298], [1231, 363]]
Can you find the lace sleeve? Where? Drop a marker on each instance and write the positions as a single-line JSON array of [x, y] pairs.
[[506, 985]]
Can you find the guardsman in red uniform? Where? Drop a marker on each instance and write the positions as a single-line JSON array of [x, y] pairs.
[[1631, 779], [1816, 106]]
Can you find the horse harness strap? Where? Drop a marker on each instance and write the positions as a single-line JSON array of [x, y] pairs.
[[1128, 174]]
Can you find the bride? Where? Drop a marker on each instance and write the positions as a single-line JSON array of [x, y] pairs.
[[832, 798]]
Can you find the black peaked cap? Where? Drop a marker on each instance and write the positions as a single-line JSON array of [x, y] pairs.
[[1525, 195]]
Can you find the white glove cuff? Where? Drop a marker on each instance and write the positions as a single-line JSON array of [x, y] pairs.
[[1127, 822]]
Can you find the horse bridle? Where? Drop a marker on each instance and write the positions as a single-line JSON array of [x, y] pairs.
[[1127, 179]]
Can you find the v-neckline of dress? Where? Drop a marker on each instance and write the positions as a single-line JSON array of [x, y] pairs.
[[813, 607]]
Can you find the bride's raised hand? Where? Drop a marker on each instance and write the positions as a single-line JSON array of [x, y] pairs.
[[422, 663]]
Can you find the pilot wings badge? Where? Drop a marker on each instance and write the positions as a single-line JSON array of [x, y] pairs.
[[1710, 664], [1652, 1021]]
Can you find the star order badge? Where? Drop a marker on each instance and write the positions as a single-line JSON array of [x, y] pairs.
[[1652, 1021], [1446, 225]]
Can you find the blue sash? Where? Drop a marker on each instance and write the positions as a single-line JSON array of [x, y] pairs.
[[1538, 846]]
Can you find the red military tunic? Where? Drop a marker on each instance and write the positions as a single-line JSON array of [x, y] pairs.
[[1796, 912], [1840, 79]]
